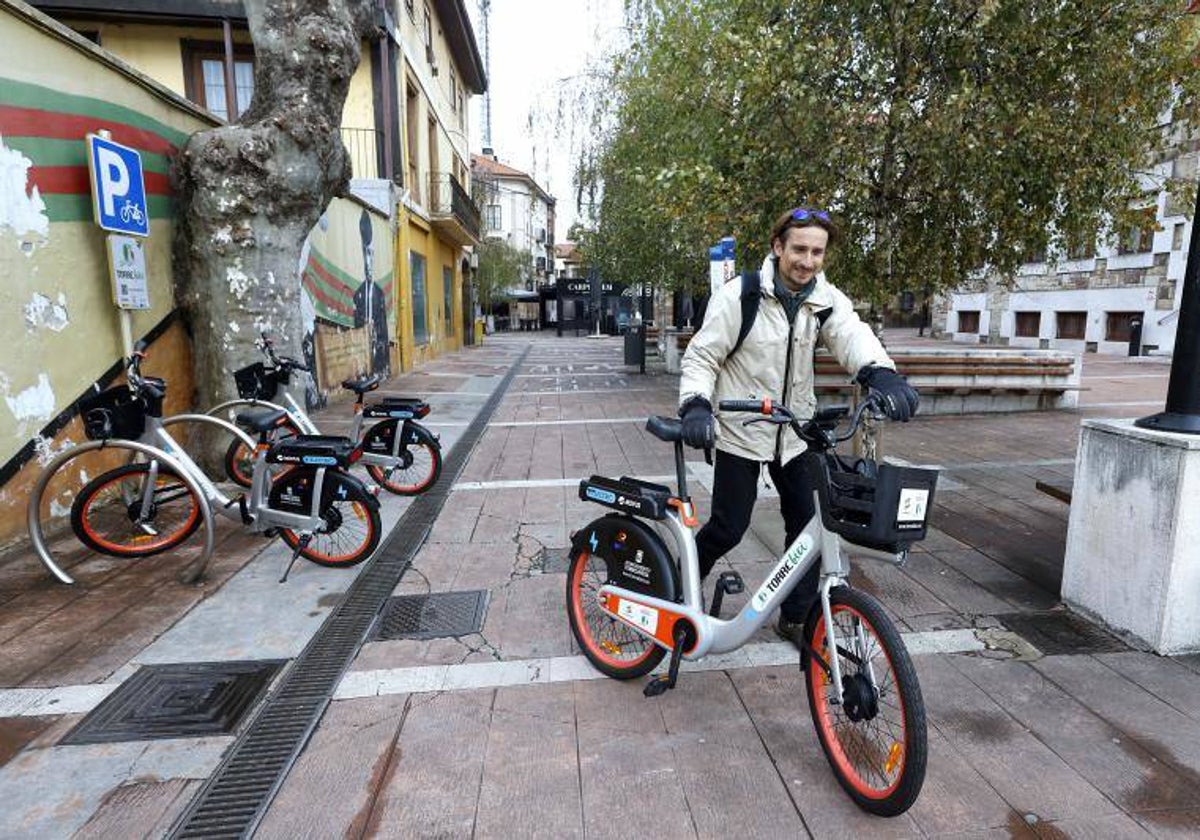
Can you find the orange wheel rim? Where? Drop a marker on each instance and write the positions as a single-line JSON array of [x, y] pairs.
[[892, 760], [605, 650]]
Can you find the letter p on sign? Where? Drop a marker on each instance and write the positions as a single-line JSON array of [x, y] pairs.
[[118, 190], [113, 179]]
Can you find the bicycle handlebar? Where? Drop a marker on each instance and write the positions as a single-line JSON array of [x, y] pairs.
[[811, 431], [267, 345]]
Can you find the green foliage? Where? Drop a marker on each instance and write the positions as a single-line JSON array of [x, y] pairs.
[[944, 134], [501, 267]]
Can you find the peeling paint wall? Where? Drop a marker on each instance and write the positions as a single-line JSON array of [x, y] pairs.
[[60, 328]]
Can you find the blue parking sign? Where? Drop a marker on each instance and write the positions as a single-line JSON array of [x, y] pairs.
[[118, 191]]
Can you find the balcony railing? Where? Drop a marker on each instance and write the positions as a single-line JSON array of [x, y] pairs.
[[452, 209], [365, 147]]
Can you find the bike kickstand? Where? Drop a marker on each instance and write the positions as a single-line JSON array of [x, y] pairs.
[[664, 682], [305, 539]]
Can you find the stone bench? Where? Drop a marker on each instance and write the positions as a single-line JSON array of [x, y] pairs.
[[954, 380]]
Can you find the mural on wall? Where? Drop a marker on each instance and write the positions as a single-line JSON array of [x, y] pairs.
[[348, 295], [57, 315]]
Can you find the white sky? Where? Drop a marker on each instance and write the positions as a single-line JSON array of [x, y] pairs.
[[539, 52]]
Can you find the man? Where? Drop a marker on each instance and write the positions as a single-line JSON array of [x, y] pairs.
[[798, 309]]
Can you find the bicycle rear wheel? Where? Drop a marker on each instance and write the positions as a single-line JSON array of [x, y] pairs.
[[614, 647], [239, 460], [876, 740], [107, 513], [417, 468], [349, 535]]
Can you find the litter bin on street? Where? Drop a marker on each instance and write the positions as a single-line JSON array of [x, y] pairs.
[[635, 346]]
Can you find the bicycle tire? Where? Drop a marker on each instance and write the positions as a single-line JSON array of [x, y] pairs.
[[123, 537], [899, 762], [422, 477], [596, 633], [239, 460], [355, 544]]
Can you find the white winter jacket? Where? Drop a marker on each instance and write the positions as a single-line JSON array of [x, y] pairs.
[[760, 366]]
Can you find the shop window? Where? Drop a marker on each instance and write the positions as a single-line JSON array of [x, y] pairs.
[[448, 298], [968, 321], [1029, 324], [1071, 325], [1119, 325], [420, 328]]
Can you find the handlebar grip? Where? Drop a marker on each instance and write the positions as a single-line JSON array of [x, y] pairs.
[[293, 363], [762, 406]]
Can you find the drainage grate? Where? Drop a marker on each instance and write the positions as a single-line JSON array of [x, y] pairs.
[[177, 701], [1058, 632], [551, 561], [235, 797], [433, 616]]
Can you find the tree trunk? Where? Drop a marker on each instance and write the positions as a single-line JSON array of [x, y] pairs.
[[250, 192]]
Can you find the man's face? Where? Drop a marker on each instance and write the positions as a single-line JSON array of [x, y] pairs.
[[801, 253]]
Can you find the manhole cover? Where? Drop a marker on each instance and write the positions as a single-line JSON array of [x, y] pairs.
[[553, 560], [1058, 632], [432, 616], [177, 701]]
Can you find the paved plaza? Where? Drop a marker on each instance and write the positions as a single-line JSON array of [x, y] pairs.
[[1040, 724]]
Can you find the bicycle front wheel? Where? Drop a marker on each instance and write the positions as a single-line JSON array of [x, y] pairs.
[[349, 535], [876, 740], [417, 468], [615, 648], [110, 515]]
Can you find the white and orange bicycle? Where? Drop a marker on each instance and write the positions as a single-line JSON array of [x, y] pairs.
[[631, 603]]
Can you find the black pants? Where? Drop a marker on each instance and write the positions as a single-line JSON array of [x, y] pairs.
[[735, 487]]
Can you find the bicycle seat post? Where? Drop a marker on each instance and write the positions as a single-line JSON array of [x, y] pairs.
[[681, 471]]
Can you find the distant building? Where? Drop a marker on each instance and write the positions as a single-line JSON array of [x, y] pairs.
[[1100, 297], [517, 211]]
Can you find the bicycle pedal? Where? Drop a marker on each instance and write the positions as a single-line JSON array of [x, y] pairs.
[[731, 583], [657, 685]]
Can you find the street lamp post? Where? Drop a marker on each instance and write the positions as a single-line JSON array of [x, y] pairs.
[[1182, 412]]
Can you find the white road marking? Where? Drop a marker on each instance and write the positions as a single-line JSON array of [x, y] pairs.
[[430, 678], [596, 421], [517, 484]]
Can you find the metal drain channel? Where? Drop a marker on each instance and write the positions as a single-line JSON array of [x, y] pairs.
[[235, 798]]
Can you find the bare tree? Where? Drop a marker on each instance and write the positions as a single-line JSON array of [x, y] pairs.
[[251, 191]]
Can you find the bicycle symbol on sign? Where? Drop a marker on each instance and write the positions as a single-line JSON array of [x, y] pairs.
[[131, 212]]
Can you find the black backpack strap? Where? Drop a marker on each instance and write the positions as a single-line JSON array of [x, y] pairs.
[[751, 295]]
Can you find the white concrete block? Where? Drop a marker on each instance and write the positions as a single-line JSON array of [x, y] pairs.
[[1133, 541]]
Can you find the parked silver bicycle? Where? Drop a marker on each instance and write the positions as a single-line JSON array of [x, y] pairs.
[[401, 455], [321, 511], [630, 601]]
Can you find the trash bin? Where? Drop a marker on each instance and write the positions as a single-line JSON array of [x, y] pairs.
[[479, 325], [635, 346]]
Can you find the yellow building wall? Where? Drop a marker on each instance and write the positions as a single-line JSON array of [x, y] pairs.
[[154, 50], [60, 327]]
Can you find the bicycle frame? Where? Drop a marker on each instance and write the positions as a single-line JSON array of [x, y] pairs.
[[252, 510], [656, 618]]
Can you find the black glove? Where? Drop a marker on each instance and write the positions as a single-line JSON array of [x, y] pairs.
[[697, 426], [900, 400]]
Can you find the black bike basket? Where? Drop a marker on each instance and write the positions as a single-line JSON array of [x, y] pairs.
[[115, 413], [256, 382], [888, 510]]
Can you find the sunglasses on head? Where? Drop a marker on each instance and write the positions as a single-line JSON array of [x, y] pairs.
[[805, 214]]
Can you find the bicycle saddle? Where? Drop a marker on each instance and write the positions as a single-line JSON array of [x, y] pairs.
[[364, 384], [262, 420], [668, 429]]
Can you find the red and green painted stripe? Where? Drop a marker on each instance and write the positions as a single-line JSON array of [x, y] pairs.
[[49, 127], [332, 289]]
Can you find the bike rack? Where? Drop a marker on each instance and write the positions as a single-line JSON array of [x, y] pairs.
[[208, 418], [33, 515], [252, 403]]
